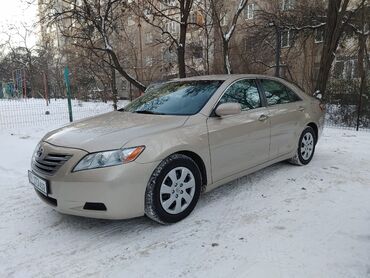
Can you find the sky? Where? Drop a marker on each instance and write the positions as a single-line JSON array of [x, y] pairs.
[[16, 12]]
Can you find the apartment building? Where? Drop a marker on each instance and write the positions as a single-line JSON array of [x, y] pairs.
[[51, 33], [260, 43], [250, 51]]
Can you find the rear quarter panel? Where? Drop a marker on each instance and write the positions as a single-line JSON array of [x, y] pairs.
[[313, 114]]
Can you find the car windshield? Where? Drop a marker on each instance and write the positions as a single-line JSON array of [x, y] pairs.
[[175, 98]]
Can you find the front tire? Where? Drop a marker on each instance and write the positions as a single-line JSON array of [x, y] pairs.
[[173, 189], [306, 147]]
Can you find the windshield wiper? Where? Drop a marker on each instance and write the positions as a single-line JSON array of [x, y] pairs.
[[148, 112]]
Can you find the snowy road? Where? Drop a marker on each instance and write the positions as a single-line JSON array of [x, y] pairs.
[[283, 221]]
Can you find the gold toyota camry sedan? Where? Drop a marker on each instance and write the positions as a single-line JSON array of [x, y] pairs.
[[155, 156]]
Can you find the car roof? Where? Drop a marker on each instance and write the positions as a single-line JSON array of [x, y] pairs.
[[233, 77], [224, 77]]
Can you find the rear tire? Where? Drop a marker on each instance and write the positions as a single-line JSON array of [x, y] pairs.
[[173, 189], [306, 147]]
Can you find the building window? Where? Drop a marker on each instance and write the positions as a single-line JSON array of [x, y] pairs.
[[287, 5], [249, 11], [148, 38], [130, 21], [367, 27], [285, 38], [349, 70], [196, 17], [147, 12], [223, 20], [345, 69], [197, 51], [169, 3], [169, 56], [192, 17], [172, 27], [250, 44], [148, 61], [319, 35]]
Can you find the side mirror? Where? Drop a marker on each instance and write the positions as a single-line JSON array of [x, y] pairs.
[[226, 109]]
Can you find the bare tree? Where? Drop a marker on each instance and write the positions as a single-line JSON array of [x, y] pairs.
[[358, 26], [171, 18], [93, 25], [22, 51], [336, 16], [226, 32]]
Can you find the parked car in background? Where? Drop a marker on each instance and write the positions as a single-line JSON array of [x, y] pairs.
[[181, 138]]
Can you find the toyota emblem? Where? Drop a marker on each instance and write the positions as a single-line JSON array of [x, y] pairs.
[[40, 152]]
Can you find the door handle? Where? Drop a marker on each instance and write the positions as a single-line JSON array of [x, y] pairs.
[[263, 117], [301, 108]]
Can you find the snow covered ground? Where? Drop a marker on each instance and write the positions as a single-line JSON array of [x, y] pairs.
[[283, 221]]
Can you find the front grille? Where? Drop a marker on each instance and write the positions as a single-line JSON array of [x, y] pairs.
[[49, 163]]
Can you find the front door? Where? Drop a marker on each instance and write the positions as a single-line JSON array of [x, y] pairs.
[[239, 142]]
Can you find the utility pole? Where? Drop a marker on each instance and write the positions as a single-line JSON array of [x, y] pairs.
[[277, 46], [277, 50], [141, 50], [15, 86], [68, 88], [46, 88], [361, 66], [205, 15], [114, 88], [24, 84]]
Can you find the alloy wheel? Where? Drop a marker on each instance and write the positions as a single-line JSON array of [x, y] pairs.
[[177, 190], [307, 145]]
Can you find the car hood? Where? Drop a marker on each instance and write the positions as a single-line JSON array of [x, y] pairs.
[[111, 131]]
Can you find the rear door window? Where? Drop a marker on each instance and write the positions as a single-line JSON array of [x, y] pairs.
[[277, 93]]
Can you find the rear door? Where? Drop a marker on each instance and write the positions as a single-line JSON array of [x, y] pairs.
[[238, 142], [287, 112]]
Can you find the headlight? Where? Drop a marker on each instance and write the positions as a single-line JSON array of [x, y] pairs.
[[108, 158], [36, 150]]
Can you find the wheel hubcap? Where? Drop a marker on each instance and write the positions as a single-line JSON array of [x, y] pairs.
[[177, 190], [307, 145]]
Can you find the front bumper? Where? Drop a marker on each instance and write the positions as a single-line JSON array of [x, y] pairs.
[[120, 188]]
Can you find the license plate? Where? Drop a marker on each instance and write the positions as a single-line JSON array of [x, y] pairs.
[[39, 183]]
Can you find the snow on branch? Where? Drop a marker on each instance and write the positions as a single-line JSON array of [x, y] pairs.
[[291, 27], [358, 31], [104, 35], [227, 36], [241, 6]]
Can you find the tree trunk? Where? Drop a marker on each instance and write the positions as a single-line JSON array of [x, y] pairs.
[[225, 51], [361, 70], [127, 76], [333, 31], [181, 51], [277, 50], [207, 44], [114, 89]]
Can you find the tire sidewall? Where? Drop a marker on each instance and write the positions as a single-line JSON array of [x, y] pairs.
[[305, 131], [167, 167]]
